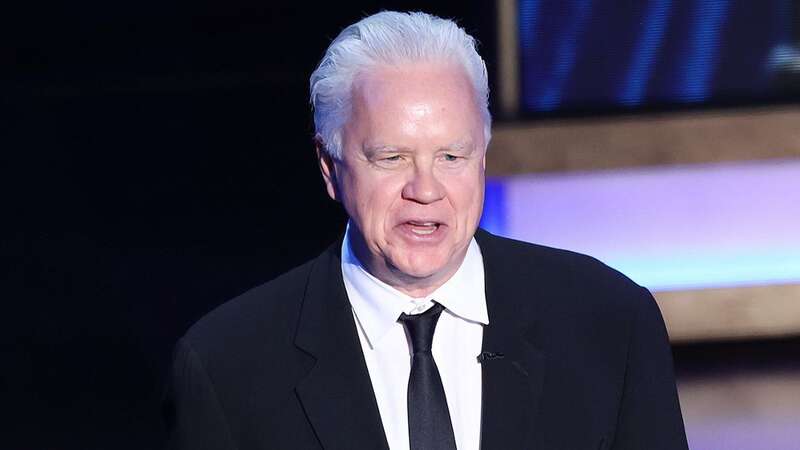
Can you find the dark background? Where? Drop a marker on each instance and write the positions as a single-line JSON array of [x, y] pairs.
[[156, 162]]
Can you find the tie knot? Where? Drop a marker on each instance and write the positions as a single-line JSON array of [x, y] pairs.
[[420, 327]]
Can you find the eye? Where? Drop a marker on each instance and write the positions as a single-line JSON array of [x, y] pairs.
[[450, 157], [389, 161]]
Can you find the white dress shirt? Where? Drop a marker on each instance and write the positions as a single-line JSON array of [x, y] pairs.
[[456, 343]]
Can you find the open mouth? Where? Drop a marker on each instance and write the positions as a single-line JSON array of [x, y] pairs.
[[423, 228]]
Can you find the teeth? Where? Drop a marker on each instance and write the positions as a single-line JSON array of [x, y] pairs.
[[423, 232], [423, 228]]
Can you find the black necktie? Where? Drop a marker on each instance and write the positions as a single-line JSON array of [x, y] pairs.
[[429, 426]]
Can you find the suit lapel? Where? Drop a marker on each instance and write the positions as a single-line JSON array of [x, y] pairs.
[[336, 394], [512, 384]]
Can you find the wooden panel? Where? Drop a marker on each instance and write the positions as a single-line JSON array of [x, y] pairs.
[[731, 313], [678, 138], [508, 57], [742, 410]]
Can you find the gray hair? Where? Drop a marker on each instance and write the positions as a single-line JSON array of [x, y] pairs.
[[388, 38]]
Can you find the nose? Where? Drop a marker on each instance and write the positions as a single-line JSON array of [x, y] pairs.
[[423, 186]]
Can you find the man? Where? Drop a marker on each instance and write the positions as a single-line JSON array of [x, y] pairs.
[[415, 330]]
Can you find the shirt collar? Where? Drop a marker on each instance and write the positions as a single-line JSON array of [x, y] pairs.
[[377, 305]]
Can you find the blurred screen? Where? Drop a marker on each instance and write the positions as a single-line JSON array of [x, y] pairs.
[[605, 54]]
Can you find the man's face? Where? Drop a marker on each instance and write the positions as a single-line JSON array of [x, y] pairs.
[[411, 176]]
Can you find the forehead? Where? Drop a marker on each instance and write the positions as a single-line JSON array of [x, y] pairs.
[[413, 82], [427, 94]]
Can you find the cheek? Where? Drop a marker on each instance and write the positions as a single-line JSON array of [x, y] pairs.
[[356, 200], [375, 203], [467, 197], [384, 201]]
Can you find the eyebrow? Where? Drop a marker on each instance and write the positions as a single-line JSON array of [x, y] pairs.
[[461, 145], [372, 149]]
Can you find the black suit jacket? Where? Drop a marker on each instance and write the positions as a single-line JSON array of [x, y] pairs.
[[586, 363]]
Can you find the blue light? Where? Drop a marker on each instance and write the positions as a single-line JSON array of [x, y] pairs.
[[494, 213], [701, 57], [566, 52], [528, 15], [528, 21], [698, 271], [654, 26], [651, 52], [683, 227]]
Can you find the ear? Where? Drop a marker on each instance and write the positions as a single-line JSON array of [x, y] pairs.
[[328, 169]]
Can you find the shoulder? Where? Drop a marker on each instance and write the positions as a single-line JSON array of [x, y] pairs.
[[571, 303], [568, 279]]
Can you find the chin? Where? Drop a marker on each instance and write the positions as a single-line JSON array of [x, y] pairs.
[[419, 272], [423, 265]]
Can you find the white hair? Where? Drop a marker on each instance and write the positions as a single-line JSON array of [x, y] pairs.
[[388, 38]]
